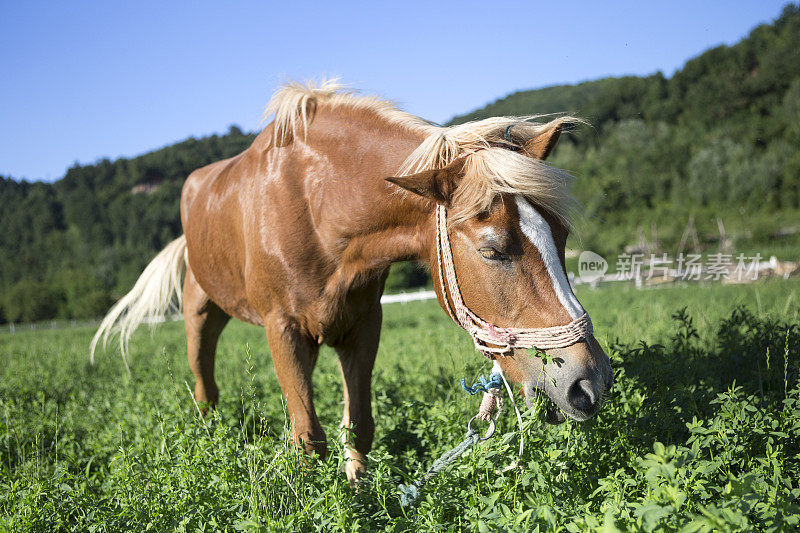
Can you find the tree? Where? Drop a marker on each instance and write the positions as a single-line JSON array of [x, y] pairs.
[[30, 300]]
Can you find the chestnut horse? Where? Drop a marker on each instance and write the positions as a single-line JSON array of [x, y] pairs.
[[296, 234]]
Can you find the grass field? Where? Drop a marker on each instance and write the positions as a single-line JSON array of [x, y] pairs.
[[700, 432]]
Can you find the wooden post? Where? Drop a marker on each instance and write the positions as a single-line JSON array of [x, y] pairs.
[[690, 231], [724, 244]]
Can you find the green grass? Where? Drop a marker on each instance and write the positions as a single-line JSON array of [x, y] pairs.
[[700, 431]]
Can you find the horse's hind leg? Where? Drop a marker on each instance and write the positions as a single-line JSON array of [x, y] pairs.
[[357, 356], [204, 322]]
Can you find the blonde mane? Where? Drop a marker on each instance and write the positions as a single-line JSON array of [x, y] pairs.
[[293, 101], [493, 165]]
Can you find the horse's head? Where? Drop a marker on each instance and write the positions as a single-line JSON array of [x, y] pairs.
[[509, 267], [510, 270]]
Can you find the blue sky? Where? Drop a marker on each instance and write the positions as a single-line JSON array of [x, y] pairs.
[[87, 80]]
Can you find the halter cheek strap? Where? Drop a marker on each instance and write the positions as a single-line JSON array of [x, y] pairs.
[[489, 339]]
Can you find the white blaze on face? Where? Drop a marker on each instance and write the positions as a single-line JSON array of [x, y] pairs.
[[537, 230]]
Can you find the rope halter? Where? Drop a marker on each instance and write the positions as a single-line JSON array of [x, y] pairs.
[[489, 339]]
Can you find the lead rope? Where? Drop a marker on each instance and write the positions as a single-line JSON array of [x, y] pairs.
[[492, 404], [493, 401], [489, 411], [410, 493]]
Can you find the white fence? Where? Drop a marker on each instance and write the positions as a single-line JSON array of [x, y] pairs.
[[405, 297]]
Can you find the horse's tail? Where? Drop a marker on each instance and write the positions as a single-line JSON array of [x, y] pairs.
[[150, 299]]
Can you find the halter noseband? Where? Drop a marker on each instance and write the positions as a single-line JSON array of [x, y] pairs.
[[489, 339]]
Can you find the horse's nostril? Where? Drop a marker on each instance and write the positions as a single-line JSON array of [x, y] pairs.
[[582, 396]]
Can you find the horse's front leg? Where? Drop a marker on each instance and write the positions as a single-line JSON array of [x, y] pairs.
[[356, 357], [295, 355]]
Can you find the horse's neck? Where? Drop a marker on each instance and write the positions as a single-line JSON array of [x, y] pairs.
[[376, 222]]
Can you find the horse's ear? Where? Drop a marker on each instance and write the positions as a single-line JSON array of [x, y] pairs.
[[540, 146], [437, 185]]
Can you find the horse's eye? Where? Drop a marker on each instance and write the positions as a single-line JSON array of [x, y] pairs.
[[492, 254]]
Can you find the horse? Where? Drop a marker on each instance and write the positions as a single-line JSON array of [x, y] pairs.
[[297, 233]]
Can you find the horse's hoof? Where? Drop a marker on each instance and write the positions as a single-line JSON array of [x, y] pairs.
[[355, 471]]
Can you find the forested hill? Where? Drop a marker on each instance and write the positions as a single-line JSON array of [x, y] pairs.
[[69, 248], [720, 138]]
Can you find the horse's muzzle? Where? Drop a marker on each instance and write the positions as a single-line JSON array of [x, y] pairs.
[[577, 380]]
